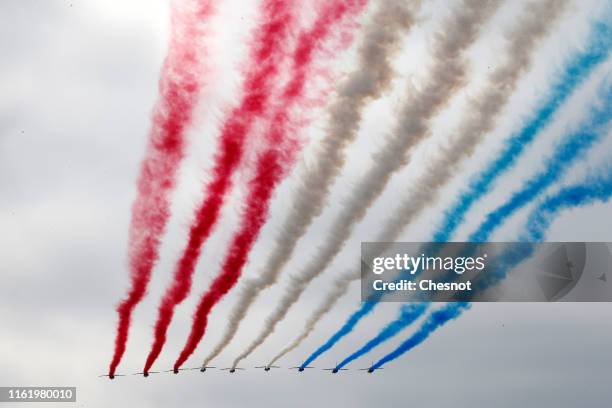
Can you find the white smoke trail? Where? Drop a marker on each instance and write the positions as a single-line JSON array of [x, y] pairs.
[[382, 37], [339, 288], [447, 75], [481, 114]]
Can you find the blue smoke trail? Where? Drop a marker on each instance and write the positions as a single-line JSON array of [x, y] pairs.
[[575, 72], [408, 314], [571, 149], [435, 320], [593, 189], [348, 326]]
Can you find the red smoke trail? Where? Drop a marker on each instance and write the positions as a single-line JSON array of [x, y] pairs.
[[272, 165], [268, 173], [270, 48], [179, 91]]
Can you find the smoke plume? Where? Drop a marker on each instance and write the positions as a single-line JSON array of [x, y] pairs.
[[182, 78], [448, 74], [372, 78]]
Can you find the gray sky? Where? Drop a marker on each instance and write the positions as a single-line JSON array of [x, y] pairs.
[[78, 81]]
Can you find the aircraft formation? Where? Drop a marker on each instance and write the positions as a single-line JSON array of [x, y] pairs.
[[233, 370]]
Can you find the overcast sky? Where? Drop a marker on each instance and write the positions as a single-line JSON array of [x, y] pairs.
[[78, 80]]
